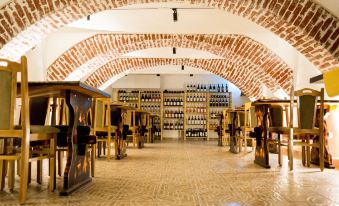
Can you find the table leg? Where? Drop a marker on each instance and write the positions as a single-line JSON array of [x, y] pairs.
[[261, 149], [77, 171]]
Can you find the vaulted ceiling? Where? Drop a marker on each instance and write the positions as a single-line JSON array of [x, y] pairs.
[[251, 43]]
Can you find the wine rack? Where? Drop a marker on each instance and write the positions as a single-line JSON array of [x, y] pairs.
[[193, 113], [173, 112], [130, 97]]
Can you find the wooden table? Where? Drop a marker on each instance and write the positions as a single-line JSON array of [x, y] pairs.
[[120, 147], [233, 126], [79, 100]]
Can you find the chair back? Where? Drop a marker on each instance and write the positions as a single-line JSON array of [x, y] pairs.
[[307, 101], [250, 116], [276, 116], [116, 118], [8, 90], [38, 107], [102, 115]]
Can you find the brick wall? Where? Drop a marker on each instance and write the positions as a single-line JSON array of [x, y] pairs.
[[245, 79], [304, 24], [240, 52]]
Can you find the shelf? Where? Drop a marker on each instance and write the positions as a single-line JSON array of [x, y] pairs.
[[150, 102], [174, 129], [196, 102], [173, 118], [197, 113], [173, 105], [219, 92], [195, 137]]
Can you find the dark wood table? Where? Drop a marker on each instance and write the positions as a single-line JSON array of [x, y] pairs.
[[233, 127], [79, 100]]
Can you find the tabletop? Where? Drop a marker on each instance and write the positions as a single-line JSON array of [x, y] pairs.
[[58, 88]]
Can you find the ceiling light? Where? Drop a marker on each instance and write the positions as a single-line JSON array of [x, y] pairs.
[[175, 15], [174, 50]]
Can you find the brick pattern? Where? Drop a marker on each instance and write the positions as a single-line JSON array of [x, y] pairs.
[[245, 80], [304, 24], [245, 52]]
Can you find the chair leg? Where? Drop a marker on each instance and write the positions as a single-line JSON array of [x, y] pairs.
[[104, 147], [3, 164], [290, 152], [99, 149], [108, 148], [60, 162], [29, 172], [93, 148], [308, 154], [39, 172], [245, 139], [18, 167], [24, 169], [279, 150], [321, 152], [52, 164], [11, 174], [303, 154]]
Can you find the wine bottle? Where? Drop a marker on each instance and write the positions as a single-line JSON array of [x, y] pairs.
[[226, 88], [218, 88], [222, 88]]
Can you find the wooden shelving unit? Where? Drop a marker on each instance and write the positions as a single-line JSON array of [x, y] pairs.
[[173, 101], [196, 115], [197, 108], [218, 102]]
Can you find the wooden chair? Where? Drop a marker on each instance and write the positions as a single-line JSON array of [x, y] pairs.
[[29, 136], [250, 123], [306, 131], [276, 126], [102, 126], [307, 101]]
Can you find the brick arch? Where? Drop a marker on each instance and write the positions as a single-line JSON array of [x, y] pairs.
[[100, 49], [307, 26], [245, 80]]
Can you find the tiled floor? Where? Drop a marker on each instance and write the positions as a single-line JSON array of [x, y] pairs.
[[195, 173]]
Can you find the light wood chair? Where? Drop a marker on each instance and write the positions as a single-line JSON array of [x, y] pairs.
[[250, 123], [28, 136], [307, 102], [102, 126]]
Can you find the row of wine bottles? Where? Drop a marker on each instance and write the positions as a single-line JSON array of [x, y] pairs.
[[150, 108], [218, 104], [127, 92], [128, 96], [196, 120], [173, 125], [153, 97], [206, 88], [196, 132], [173, 102], [133, 105], [196, 109], [196, 98], [156, 120], [215, 113], [173, 114], [173, 92], [157, 132]]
